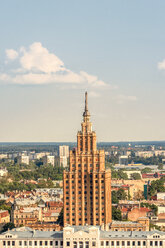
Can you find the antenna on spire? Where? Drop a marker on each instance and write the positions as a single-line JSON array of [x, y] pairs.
[[86, 101]]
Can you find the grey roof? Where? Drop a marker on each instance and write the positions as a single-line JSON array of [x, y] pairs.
[[126, 234], [27, 232]]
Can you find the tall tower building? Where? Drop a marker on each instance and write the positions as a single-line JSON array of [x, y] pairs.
[[87, 186]]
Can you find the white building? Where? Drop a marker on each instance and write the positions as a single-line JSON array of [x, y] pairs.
[[130, 172], [123, 160], [81, 237], [48, 159], [23, 159], [64, 151], [64, 155], [161, 196], [3, 172]]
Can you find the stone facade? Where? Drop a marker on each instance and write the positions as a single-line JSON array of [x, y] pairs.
[[87, 186], [81, 237]]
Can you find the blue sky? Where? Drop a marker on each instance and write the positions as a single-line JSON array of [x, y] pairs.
[[52, 51]]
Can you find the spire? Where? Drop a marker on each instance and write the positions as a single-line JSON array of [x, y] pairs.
[[86, 101], [86, 112]]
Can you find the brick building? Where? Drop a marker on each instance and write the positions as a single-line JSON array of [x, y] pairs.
[[86, 185]]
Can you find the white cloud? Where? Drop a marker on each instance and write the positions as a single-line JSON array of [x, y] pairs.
[[161, 65], [38, 58], [39, 66], [11, 54]]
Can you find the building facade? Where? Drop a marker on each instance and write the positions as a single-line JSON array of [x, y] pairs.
[[81, 237], [87, 185], [64, 155], [48, 159]]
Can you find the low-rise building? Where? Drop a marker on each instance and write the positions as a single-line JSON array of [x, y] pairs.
[[4, 216], [135, 213], [26, 215], [81, 237], [142, 224]]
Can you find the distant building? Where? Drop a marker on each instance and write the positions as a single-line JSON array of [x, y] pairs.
[[4, 216], [142, 224], [40, 155], [161, 196], [48, 159], [136, 213], [3, 172], [64, 151], [123, 160], [27, 215], [64, 155], [23, 159], [130, 172], [3, 156]]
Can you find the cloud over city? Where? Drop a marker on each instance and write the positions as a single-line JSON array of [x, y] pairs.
[[36, 65]]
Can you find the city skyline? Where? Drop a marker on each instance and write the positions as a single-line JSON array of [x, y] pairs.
[[51, 54]]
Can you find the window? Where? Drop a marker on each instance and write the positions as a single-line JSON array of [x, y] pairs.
[[128, 243], [144, 243], [25, 243], [13, 243], [74, 244], [30, 243], [151, 243], [133, 243], [107, 243], [61, 243], [67, 243], [93, 243], [102, 243], [56, 243], [87, 244], [80, 244], [40, 242], [117, 243], [123, 243], [112, 243], [156, 243], [51, 243], [139, 243], [46, 243], [35, 243], [4, 243], [161, 243]]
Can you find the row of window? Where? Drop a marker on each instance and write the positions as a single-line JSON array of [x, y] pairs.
[[35, 243], [102, 243], [130, 243], [80, 219], [85, 181], [85, 209]]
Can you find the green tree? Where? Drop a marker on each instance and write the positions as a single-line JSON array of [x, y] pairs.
[[116, 214], [135, 176], [60, 220], [160, 166], [8, 226]]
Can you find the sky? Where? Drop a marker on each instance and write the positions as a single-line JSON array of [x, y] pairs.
[[51, 52]]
